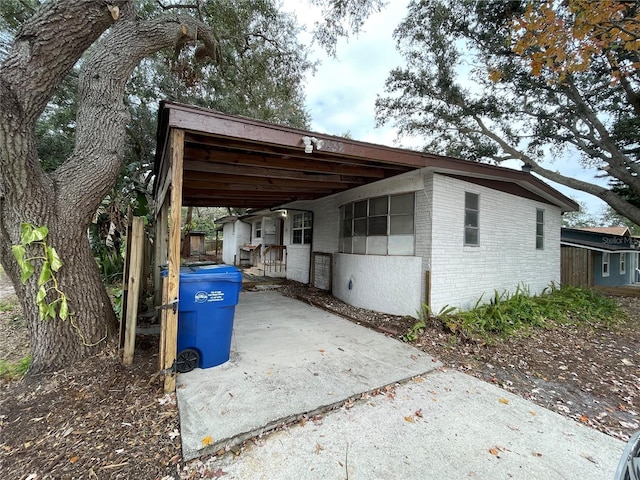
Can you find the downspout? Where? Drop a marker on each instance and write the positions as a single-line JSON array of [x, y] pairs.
[[273, 209]]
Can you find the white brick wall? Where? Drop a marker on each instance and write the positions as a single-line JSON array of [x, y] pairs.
[[507, 255], [389, 284], [298, 263]]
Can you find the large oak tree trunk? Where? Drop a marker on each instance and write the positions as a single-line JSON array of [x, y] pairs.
[[47, 47]]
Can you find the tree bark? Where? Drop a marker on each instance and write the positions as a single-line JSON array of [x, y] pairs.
[[50, 43]]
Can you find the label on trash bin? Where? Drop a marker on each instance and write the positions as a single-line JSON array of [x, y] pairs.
[[212, 296]]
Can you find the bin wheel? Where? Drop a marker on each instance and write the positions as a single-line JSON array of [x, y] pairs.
[[187, 360]]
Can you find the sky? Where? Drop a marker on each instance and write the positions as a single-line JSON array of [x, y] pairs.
[[341, 95]]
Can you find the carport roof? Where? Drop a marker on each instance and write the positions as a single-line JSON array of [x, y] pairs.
[[232, 161]]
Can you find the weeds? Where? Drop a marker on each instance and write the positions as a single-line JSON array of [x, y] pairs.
[[506, 313], [9, 370], [7, 306]]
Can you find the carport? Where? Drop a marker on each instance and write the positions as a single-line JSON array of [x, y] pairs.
[[206, 158]]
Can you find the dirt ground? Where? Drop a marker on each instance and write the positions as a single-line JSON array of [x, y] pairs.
[[100, 420]]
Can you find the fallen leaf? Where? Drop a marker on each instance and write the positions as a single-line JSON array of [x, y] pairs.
[[533, 413], [319, 448], [504, 400], [537, 454], [74, 459], [584, 419], [321, 350], [207, 441], [493, 451], [409, 419], [631, 425], [215, 473]]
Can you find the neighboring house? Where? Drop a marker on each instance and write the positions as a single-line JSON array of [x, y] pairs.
[[427, 235], [602, 256]]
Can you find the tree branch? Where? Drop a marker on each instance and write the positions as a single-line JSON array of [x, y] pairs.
[[95, 164], [48, 45], [195, 6]]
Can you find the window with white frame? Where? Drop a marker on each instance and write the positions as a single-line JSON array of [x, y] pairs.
[[605, 264], [257, 228], [471, 219], [301, 228], [623, 263], [539, 229], [378, 226]]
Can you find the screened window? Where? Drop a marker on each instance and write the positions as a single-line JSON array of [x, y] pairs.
[[605, 264], [378, 226], [539, 229], [258, 229], [623, 263], [301, 228], [471, 219]]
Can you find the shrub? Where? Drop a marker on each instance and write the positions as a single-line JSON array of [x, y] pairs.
[[506, 313]]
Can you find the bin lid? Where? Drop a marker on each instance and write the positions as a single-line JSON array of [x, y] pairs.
[[200, 273]]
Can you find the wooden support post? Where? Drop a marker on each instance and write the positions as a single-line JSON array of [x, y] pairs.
[[163, 322], [160, 251], [125, 282], [173, 273], [134, 283]]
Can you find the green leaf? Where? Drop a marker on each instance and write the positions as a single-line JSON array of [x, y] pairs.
[[26, 233], [40, 233], [50, 311], [45, 274], [27, 271], [142, 207], [64, 309], [19, 252], [42, 310], [42, 294], [54, 259]]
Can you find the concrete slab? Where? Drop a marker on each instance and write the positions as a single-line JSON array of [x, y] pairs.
[[465, 428], [287, 359]]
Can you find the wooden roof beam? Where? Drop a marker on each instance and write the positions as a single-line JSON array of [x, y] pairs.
[[260, 159], [252, 171]]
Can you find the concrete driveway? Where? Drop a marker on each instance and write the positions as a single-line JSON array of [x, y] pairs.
[[291, 360]]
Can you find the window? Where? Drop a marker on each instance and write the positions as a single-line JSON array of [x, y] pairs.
[[378, 226], [605, 264], [539, 229], [301, 228], [257, 227], [471, 219], [623, 264]]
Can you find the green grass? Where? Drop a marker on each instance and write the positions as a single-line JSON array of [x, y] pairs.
[[9, 370], [505, 314], [7, 306]]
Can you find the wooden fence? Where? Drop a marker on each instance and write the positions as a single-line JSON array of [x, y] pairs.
[[576, 267]]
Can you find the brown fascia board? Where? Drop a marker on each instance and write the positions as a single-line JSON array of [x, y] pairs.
[[198, 119]]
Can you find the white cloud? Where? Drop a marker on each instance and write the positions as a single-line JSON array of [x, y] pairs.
[[341, 95]]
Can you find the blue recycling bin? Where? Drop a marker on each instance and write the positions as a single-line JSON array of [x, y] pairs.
[[208, 296]]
